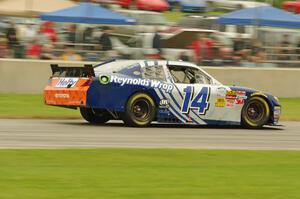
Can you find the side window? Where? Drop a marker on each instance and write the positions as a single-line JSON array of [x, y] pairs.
[[187, 75], [154, 72], [201, 78]]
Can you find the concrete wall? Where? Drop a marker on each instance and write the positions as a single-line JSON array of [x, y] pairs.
[[30, 76]]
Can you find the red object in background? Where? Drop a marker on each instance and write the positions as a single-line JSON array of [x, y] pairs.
[[47, 28], [292, 6], [154, 5], [198, 45], [34, 50]]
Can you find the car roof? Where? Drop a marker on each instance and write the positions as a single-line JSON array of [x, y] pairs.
[[117, 63]]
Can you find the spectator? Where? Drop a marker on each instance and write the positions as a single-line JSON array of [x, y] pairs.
[[34, 50], [88, 35], [47, 52], [239, 49], [258, 54], [4, 50], [48, 30], [29, 32], [284, 48], [11, 35], [203, 49], [298, 48], [157, 41], [104, 40], [207, 45], [196, 48], [70, 54], [71, 38]]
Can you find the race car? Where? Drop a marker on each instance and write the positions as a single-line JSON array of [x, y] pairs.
[[140, 92]]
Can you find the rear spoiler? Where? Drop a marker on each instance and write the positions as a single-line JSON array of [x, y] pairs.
[[65, 71]]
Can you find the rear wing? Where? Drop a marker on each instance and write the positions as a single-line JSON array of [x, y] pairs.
[[65, 71]]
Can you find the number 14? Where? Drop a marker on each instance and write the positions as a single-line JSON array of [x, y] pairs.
[[200, 101]]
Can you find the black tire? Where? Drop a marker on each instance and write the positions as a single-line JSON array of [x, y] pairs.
[[255, 113], [94, 116], [140, 110]]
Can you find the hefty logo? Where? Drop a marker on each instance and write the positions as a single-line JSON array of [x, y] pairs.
[[67, 82]]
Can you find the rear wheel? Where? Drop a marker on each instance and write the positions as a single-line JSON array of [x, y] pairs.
[[140, 110], [95, 116], [255, 113]]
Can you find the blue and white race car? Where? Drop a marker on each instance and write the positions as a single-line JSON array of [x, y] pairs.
[[141, 92]]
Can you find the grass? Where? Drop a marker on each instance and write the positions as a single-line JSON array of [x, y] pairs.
[[176, 16], [290, 109], [32, 106], [173, 16], [149, 174]]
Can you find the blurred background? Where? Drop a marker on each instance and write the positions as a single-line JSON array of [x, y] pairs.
[[206, 32]]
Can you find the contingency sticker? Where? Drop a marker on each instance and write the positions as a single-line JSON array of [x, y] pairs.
[[220, 102]]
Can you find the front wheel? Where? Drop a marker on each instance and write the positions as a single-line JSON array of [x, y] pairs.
[[255, 113], [94, 116], [140, 110]]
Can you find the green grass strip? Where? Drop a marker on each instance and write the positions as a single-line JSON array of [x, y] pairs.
[[149, 174]]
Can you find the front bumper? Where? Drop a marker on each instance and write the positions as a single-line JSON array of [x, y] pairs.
[[276, 114]]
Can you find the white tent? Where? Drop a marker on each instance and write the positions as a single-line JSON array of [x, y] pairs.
[[32, 8]]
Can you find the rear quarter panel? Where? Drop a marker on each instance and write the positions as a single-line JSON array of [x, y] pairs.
[[114, 97]]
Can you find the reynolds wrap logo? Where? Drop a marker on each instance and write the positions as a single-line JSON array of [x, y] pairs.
[[136, 81]]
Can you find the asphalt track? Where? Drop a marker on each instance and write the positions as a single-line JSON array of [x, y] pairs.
[[31, 133]]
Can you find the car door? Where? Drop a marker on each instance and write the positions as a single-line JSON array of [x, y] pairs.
[[198, 101]]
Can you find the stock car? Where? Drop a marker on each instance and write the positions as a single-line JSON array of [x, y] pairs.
[[140, 92]]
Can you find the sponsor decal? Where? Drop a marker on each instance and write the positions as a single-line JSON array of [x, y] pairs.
[[66, 82], [231, 95], [164, 111], [220, 102], [104, 79], [230, 103], [240, 97], [235, 97], [61, 95], [164, 103], [140, 82]]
